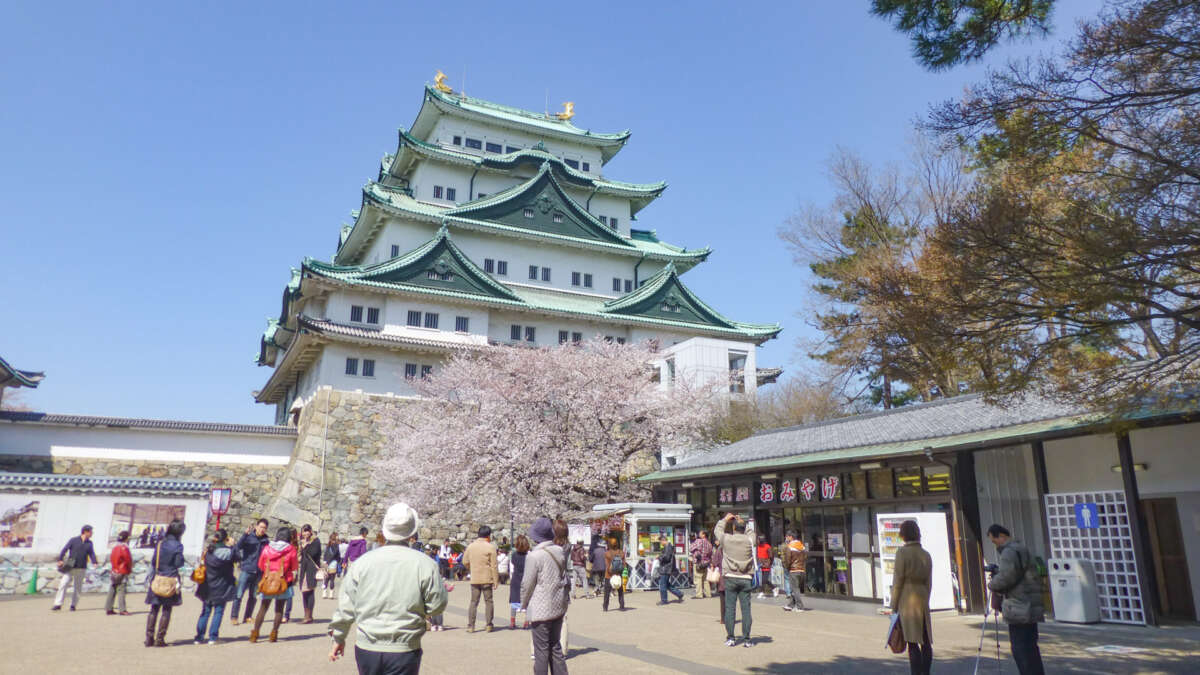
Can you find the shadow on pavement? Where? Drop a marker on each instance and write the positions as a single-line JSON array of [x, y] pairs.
[[572, 653], [1057, 664]]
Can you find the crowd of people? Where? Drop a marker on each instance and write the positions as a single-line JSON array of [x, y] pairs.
[[394, 589]]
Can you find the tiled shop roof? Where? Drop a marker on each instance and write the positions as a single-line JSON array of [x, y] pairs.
[[139, 423], [76, 483], [961, 419]]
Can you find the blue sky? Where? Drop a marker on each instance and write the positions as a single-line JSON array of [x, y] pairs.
[[162, 169]]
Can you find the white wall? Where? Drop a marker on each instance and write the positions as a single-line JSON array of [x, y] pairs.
[[1082, 463], [705, 359], [389, 369], [447, 127], [149, 445]]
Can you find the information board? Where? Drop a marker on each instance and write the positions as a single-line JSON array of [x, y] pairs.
[[933, 539]]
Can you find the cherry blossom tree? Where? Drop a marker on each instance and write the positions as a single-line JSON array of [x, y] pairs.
[[509, 431]]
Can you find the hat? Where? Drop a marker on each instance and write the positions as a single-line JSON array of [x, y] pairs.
[[400, 522], [541, 530]]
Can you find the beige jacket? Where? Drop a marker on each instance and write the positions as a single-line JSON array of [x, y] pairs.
[[910, 591], [480, 561]]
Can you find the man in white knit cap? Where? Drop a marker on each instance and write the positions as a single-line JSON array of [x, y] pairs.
[[389, 593]]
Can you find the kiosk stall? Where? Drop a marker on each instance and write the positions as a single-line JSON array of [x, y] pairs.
[[637, 528]]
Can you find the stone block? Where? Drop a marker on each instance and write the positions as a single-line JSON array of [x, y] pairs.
[[305, 472], [293, 514]]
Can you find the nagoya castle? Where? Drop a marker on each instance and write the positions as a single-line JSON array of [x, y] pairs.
[[488, 225]]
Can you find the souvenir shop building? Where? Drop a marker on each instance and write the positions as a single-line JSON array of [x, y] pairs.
[[957, 466]]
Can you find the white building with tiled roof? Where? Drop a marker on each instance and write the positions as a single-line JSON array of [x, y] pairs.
[[493, 225]]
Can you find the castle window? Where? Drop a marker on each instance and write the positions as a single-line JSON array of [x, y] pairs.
[[612, 222], [604, 219], [616, 285], [474, 144], [440, 276], [489, 265], [575, 278], [425, 371], [629, 285], [373, 315], [502, 268], [533, 272], [451, 193], [481, 195], [395, 250], [529, 333], [431, 320], [576, 337], [410, 371], [545, 274], [563, 337], [414, 318], [587, 281], [356, 313], [368, 369], [462, 324], [494, 147], [511, 149], [574, 164], [528, 213], [437, 191], [558, 217], [351, 366], [457, 140], [587, 166], [514, 332]]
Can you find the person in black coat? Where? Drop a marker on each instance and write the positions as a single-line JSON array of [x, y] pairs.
[[516, 563], [167, 560], [219, 587], [310, 562], [666, 570], [333, 560]]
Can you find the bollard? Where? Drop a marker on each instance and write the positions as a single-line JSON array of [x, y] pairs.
[[32, 588]]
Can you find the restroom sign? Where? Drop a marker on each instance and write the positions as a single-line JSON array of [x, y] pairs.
[[1087, 516]]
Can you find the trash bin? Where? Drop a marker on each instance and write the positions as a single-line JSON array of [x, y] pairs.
[[1073, 590]]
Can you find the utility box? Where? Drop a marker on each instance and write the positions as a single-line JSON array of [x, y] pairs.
[[1073, 590]]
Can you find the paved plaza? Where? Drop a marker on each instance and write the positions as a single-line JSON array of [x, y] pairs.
[[837, 637]]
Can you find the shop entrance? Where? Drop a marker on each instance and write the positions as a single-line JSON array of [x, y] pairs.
[[1170, 560]]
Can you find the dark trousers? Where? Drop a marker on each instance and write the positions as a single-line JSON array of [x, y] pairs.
[[737, 591], [163, 622], [247, 582], [797, 600], [1023, 637], [608, 589], [547, 648], [387, 663], [598, 579], [664, 585], [920, 658], [486, 591], [216, 612], [309, 600]]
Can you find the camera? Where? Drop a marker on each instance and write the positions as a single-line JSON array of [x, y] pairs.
[[991, 568]]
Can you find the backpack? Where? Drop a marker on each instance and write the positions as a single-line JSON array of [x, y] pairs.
[[618, 564], [273, 582]]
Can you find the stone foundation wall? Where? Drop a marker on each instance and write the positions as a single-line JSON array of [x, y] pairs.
[[253, 485], [17, 569]]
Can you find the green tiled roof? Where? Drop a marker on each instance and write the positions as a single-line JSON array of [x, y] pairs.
[[642, 305], [524, 120], [11, 377], [640, 194], [398, 201]]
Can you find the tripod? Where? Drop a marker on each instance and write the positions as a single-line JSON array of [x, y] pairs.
[[995, 614]]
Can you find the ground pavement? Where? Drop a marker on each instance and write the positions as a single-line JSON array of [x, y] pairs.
[[837, 637]]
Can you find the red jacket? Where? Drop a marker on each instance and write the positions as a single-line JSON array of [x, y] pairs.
[[284, 560], [764, 556], [120, 560]]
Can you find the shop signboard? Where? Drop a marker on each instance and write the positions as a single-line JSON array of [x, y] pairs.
[[787, 491], [767, 493], [831, 487], [725, 495], [808, 489], [934, 539], [741, 494]]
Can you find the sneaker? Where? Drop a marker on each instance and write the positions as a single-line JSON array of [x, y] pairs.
[[212, 642], [197, 641], [761, 596], [56, 608], [72, 608], [124, 613], [747, 644], [731, 642], [660, 602], [489, 628], [109, 612], [786, 608]]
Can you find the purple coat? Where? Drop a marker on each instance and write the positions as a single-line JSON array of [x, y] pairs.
[[356, 549]]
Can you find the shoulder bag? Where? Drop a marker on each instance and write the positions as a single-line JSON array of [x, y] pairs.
[[895, 638], [162, 585], [713, 576], [320, 576], [273, 582]]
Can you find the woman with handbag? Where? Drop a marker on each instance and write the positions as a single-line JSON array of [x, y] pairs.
[[165, 590], [121, 564], [333, 562], [910, 597], [278, 565], [216, 584], [717, 580], [310, 570]]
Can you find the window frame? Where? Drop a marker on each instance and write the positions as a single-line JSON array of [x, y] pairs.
[[462, 324], [472, 143], [395, 250], [576, 279], [437, 191], [368, 365], [502, 268], [514, 332], [451, 194], [410, 371], [533, 272], [356, 310], [373, 315], [546, 274], [431, 320], [588, 280], [413, 319], [351, 366], [457, 140], [488, 145], [489, 265], [530, 333]]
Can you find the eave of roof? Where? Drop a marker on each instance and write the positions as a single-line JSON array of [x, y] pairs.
[[395, 201], [11, 377], [143, 424], [49, 482], [458, 105]]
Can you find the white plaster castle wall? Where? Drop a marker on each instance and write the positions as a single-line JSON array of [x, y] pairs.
[[610, 207], [48, 440], [704, 359], [389, 369], [447, 127]]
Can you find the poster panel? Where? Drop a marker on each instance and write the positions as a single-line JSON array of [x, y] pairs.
[[934, 539], [146, 523], [18, 520]]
